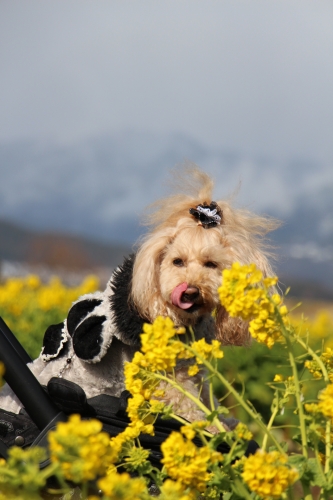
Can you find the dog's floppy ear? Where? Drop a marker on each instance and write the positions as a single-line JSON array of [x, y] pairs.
[[145, 282]]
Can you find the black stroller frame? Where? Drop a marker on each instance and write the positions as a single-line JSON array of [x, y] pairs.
[[37, 403]]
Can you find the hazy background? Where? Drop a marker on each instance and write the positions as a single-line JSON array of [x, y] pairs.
[[99, 99]]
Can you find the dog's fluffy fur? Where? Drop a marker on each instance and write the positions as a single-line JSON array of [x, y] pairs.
[[176, 250]]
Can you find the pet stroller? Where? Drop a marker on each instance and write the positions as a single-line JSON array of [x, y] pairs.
[[45, 406]]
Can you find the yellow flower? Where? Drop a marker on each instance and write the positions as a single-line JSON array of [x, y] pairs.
[[207, 351], [193, 370], [81, 449], [320, 327], [325, 405], [174, 490], [122, 486], [159, 353], [188, 431], [242, 432], [313, 368], [136, 457], [267, 473], [157, 406], [20, 475], [186, 463], [278, 378], [327, 357], [245, 293], [32, 281]]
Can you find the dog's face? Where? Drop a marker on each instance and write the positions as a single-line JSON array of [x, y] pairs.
[[178, 267], [190, 273]]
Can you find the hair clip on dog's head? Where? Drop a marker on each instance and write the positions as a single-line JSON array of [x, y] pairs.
[[207, 215]]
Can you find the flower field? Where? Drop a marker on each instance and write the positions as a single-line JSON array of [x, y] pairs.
[[280, 387]]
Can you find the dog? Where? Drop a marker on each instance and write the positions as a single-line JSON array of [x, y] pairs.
[[175, 272]]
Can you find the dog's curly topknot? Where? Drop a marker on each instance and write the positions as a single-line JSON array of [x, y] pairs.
[[191, 187]]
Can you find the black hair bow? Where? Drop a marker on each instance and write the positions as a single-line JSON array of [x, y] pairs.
[[207, 215]]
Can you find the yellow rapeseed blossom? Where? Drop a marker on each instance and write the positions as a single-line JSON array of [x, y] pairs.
[[245, 293], [81, 449], [174, 490], [186, 463], [242, 432], [207, 351], [122, 487], [267, 473], [159, 353], [16, 294], [137, 457], [190, 429], [313, 368], [325, 405], [193, 370], [20, 475], [327, 359], [319, 327]]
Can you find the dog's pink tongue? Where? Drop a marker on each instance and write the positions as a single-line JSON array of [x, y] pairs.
[[176, 296]]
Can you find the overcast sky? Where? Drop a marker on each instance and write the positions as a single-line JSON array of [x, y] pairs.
[[254, 76]]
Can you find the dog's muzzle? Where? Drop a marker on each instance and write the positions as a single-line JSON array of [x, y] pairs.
[[185, 296]]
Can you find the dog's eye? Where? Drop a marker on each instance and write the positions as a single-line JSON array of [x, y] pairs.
[[178, 262], [210, 264]]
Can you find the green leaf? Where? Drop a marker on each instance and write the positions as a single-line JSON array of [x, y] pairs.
[[222, 410], [214, 414], [313, 474], [298, 461]]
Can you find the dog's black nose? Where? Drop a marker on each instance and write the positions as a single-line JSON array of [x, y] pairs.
[[191, 293]]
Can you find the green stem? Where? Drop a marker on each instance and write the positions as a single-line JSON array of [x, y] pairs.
[[49, 471], [190, 396], [320, 468], [84, 491], [239, 487], [185, 422], [297, 395], [211, 396], [269, 426], [327, 380], [213, 370], [242, 403], [327, 446], [293, 365], [179, 419]]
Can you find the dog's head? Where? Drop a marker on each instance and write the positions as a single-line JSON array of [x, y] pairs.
[[178, 267]]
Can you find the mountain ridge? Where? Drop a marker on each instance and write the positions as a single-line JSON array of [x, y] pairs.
[[61, 251]]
